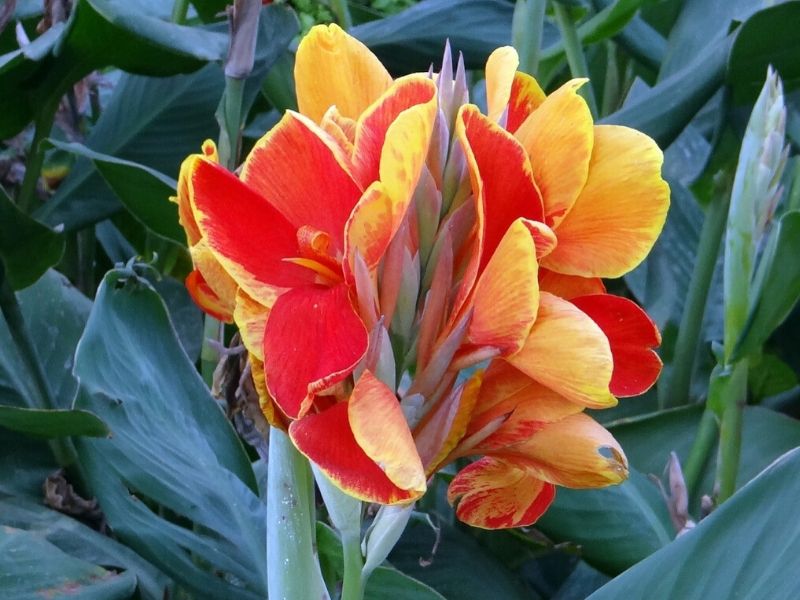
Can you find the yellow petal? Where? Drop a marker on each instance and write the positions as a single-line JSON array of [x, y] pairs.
[[500, 69], [569, 353], [334, 68], [265, 401], [558, 138], [251, 319], [620, 212], [217, 278]]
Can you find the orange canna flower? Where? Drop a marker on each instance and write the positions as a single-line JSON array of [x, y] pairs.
[[389, 235]]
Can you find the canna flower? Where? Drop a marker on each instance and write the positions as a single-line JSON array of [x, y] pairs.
[[418, 282]]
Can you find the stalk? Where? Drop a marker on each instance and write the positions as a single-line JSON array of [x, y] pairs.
[[26, 199], [701, 450], [574, 51], [353, 584], [180, 9], [527, 26], [730, 433], [342, 12]]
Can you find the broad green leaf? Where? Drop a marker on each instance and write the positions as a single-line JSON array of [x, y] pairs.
[[777, 285], [186, 317], [99, 33], [414, 39], [52, 423], [81, 542], [390, 584], [144, 191], [769, 376], [25, 463], [749, 548], [157, 122], [27, 248], [33, 568], [628, 522], [172, 446]]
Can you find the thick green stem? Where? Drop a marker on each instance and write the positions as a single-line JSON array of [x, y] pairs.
[[293, 571], [180, 8], [230, 122], [676, 390], [209, 355], [342, 12], [353, 584], [62, 448], [730, 432], [527, 28], [574, 51], [701, 451], [26, 199]]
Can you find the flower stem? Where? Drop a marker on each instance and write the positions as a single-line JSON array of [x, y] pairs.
[[209, 356], [701, 449], [574, 51], [730, 432], [293, 570], [353, 584], [342, 12], [26, 199], [229, 115], [180, 8], [676, 390], [527, 26]]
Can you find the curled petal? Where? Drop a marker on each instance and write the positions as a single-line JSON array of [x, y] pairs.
[[380, 428], [326, 438], [567, 352], [340, 129], [206, 298], [210, 285], [526, 96], [251, 319], [558, 136], [334, 68], [313, 339], [498, 494], [500, 69], [569, 286], [632, 336], [265, 401], [621, 210]]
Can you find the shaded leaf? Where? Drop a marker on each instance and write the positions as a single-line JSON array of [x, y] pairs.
[[52, 423]]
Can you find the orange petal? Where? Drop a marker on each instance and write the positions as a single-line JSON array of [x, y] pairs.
[[497, 494], [313, 340], [301, 171], [334, 68], [507, 294], [265, 401], [569, 286], [380, 428], [251, 319], [575, 452], [500, 69], [526, 96], [632, 336], [206, 298], [544, 237], [334, 125], [621, 210], [326, 438], [567, 352], [558, 137]]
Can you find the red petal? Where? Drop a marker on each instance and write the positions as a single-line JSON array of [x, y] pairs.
[[206, 299], [313, 339], [632, 337]]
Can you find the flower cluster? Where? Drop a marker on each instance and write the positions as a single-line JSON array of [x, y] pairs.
[[418, 282]]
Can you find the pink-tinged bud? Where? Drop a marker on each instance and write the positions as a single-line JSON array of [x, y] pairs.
[[428, 204], [243, 22], [433, 312]]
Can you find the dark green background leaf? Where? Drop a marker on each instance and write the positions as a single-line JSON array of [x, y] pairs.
[[52, 423]]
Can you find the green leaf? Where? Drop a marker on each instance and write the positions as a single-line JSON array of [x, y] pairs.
[[629, 522], [749, 547], [27, 248], [52, 423], [32, 568], [777, 285], [769, 376], [99, 33], [390, 584], [414, 39], [172, 447], [157, 122]]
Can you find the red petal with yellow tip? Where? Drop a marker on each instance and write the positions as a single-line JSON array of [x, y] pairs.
[[265, 402], [526, 96], [334, 68], [506, 296], [632, 336], [621, 210], [251, 319], [380, 429], [327, 440], [235, 222], [313, 339], [567, 352], [500, 69], [575, 452], [569, 286], [206, 299], [496, 494], [558, 137], [543, 237], [302, 172], [212, 288], [501, 176]]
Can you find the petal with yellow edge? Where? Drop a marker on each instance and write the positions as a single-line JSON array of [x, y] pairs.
[[569, 286], [501, 175], [301, 171], [326, 439], [334, 68], [558, 137], [575, 452], [620, 212], [335, 126], [632, 336], [235, 221], [501, 67], [251, 319], [380, 428], [313, 340], [265, 401], [526, 96], [567, 352], [215, 276], [506, 296], [498, 494], [206, 298]]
